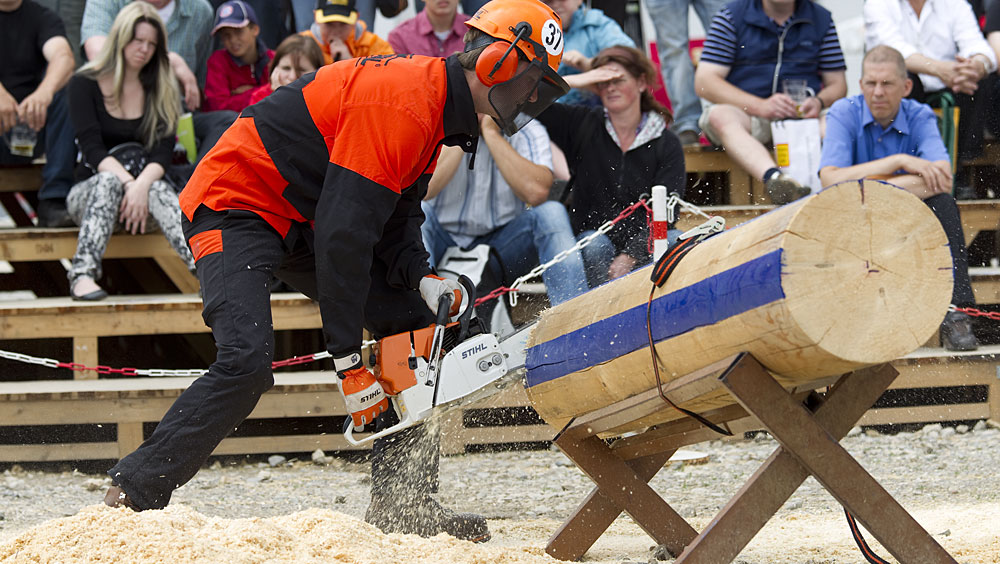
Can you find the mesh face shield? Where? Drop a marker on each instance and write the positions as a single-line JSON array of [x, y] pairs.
[[520, 99]]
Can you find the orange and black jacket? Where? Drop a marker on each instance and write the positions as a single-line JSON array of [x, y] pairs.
[[343, 155]]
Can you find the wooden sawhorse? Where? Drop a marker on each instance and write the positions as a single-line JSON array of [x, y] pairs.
[[808, 425]]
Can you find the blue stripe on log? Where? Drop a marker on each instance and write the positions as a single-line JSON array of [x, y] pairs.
[[737, 290]]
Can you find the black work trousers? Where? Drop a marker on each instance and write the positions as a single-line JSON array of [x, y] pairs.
[[946, 210], [236, 286]]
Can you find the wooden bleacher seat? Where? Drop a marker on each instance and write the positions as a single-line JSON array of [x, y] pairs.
[[26, 178], [128, 403], [20, 179], [32, 244], [743, 189], [84, 322]]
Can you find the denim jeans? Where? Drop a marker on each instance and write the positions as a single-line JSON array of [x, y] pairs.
[[536, 235], [670, 18], [469, 7], [56, 142], [599, 253]]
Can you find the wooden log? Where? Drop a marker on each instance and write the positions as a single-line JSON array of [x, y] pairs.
[[857, 275]]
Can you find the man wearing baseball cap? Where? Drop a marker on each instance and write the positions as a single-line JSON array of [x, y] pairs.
[[241, 65], [342, 35]]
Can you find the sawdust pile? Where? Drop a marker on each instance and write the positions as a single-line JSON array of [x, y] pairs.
[[178, 535]]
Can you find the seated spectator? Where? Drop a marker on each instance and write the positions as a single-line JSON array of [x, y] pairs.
[[751, 47], [992, 104], [503, 203], [469, 7], [296, 56], [272, 17], [37, 64], [436, 31], [587, 32], [946, 52], [188, 25], [673, 45], [126, 94], [342, 35], [241, 65], [616, 153], [880, 134]]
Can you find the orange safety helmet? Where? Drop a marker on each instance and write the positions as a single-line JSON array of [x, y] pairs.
[[503, 19], [535, 31]]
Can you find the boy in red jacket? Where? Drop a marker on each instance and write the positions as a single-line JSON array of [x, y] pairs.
[[241, 66]]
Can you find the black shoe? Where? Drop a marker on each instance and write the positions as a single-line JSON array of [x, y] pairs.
[[95, 296], [425, 517], [52, 213], [689, 138], [784, 189], [963, 192], [956, 332]]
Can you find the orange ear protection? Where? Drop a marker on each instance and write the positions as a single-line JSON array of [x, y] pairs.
[[497, 63]]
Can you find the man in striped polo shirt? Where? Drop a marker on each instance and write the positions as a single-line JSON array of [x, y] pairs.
[[751, 48]]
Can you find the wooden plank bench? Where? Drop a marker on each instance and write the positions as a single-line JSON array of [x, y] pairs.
[[743, 189], [128, 403], [27, 178], [32, 244], [23, 178], [977, 215], [84, 322]]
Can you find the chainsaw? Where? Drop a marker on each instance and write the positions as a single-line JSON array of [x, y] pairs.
[[443, 366]]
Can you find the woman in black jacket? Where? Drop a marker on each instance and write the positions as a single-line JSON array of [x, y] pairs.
[[124, 110], [616, 153]]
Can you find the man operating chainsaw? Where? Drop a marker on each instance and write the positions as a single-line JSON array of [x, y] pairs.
[[320, 186]]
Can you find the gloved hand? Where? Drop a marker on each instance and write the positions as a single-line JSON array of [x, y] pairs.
[[363, 395], [433, 287]]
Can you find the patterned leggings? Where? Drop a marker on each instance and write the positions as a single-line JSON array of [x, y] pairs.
[[94, 203]]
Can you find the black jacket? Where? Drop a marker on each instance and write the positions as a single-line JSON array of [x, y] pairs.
[[604, 181]]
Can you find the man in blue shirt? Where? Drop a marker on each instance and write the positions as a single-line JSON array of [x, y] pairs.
[[879, 134]]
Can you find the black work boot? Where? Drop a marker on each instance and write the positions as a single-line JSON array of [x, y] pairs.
[[424, 516], [404, 473], [956, 332]]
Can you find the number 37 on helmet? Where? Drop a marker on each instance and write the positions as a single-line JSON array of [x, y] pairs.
[[518, 31]]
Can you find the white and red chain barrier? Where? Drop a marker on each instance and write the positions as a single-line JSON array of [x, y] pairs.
[[654, 220], [670, 207]]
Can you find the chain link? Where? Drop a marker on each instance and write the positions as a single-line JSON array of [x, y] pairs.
[[993, 315], [607, 226], [672, 203], [28, 359], [156, 372]]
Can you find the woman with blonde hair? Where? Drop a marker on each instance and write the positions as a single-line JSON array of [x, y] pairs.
[[616, 153], [124, 107]]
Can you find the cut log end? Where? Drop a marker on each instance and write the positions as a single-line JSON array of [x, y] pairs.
[[866, 272]]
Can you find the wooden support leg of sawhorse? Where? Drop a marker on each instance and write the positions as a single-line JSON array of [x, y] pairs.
[[809, 446]]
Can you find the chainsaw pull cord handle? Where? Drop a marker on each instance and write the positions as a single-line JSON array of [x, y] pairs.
[[444, 306], [466, 316]]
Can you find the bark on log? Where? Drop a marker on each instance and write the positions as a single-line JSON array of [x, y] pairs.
[[856, 275]]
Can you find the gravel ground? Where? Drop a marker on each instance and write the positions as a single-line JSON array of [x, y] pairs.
[[947, 477]]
